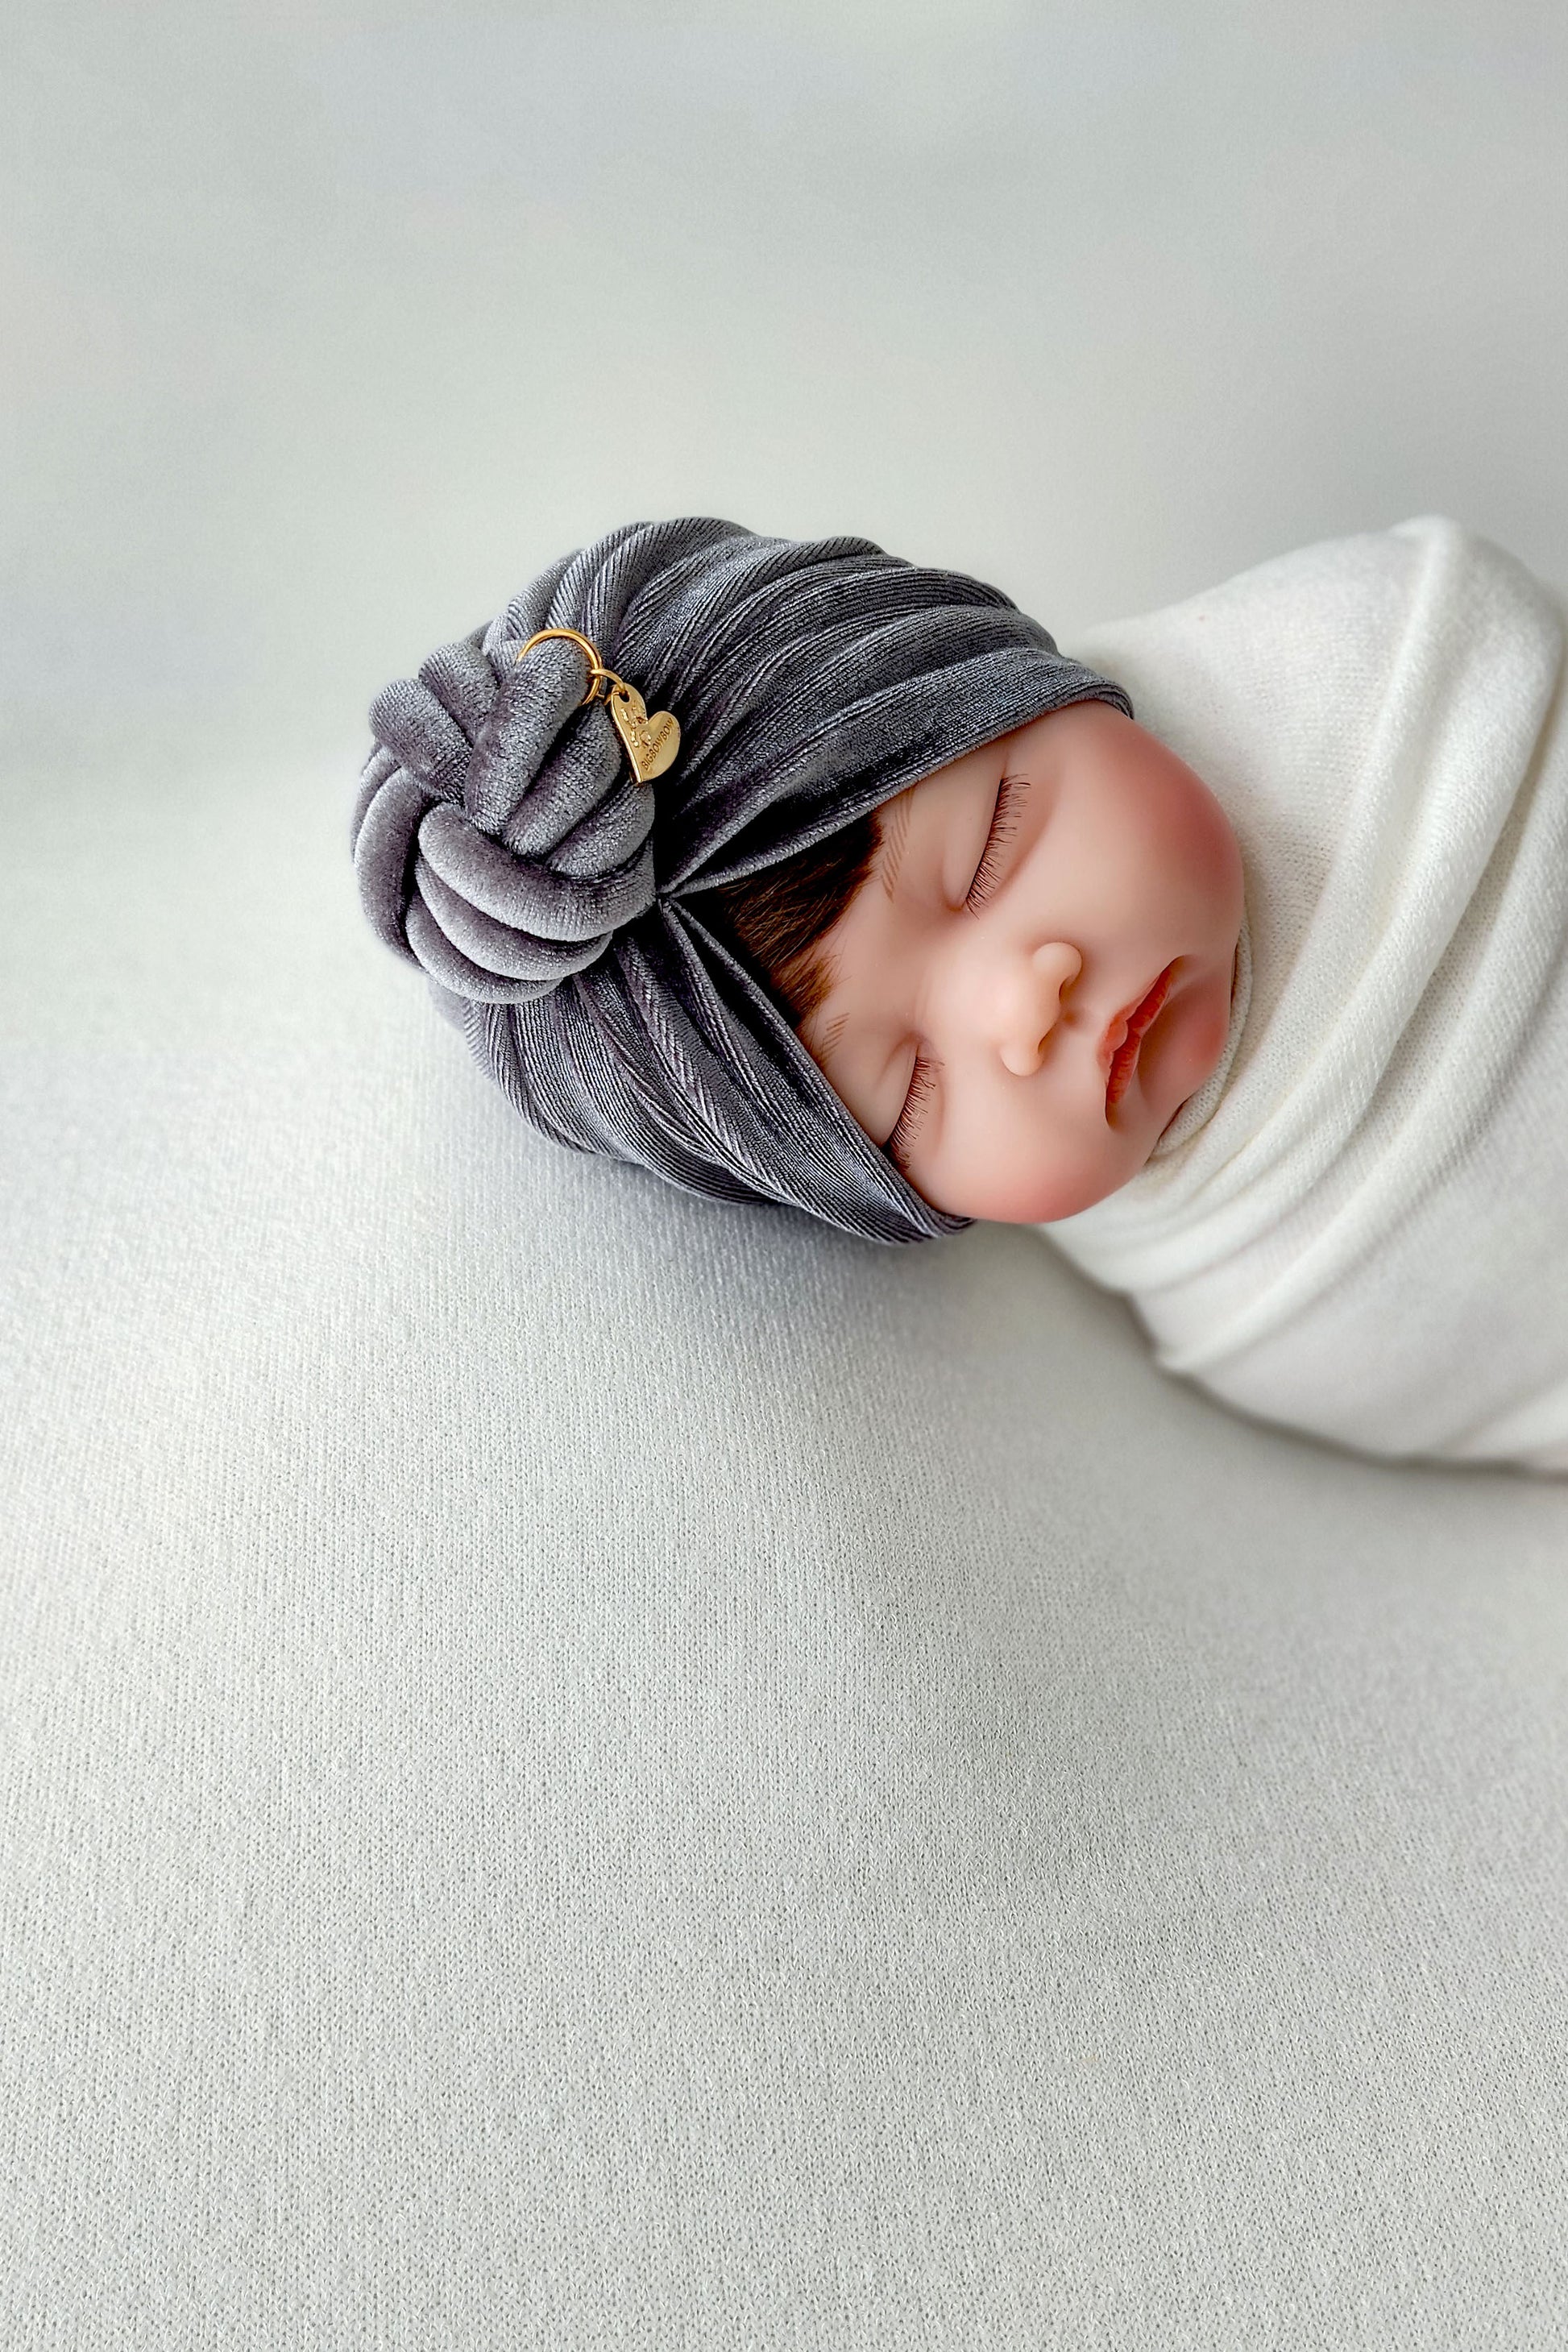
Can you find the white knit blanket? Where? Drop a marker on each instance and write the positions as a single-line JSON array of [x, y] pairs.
[[1358, 1227]]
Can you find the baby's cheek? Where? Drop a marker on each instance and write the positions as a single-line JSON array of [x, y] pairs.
[[1178, 1064], [1204, 1041]]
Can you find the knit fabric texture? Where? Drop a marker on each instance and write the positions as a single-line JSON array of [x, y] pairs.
[[502, 841]]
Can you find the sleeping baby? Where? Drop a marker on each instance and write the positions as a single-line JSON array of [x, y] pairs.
[[1228, 950]]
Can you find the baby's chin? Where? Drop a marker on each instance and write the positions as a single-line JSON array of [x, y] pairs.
[[1032, 1195], [1048, 1204]]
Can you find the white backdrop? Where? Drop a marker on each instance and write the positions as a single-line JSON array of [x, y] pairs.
[[331, 322]]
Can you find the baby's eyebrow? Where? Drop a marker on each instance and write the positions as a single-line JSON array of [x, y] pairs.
[[895, 833], [832, 1034]]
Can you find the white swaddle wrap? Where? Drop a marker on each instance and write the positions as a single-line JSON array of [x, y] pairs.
[[1359, 1226]]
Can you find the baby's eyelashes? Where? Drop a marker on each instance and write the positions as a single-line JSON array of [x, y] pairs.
[[1003, 825], [922, 1080]]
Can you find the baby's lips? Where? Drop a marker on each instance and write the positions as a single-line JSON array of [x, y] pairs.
[[1135, 1026]]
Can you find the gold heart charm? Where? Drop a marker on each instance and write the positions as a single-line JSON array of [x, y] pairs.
[[651, 743]]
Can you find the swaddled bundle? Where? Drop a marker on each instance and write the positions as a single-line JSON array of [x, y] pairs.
[[1358, 1225]]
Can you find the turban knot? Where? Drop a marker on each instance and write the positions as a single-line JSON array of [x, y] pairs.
[[502, 837]]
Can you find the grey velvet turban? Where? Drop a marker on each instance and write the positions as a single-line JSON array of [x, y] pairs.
[[501, 840]]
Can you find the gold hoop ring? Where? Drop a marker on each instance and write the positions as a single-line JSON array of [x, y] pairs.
[[597, 673]]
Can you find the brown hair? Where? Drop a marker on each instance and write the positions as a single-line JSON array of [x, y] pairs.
[[774, 920]]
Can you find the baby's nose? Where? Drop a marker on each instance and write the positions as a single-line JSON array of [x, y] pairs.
[[1042, 980]]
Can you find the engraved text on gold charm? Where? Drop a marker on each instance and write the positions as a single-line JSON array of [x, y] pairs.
[[651, 743]]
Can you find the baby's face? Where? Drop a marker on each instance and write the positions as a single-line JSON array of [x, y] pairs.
[[1024, 906]]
